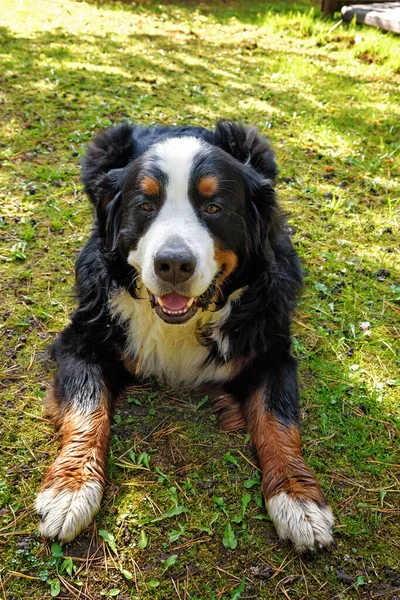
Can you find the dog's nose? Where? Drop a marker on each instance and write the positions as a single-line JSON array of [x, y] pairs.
[[174, 265]]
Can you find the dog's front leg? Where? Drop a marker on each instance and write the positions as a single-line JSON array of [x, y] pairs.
[[80, 405], [293, 496]]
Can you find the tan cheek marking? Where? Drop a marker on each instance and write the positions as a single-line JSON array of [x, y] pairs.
[[208, 186], [279, 452], [226, 260], [150, 186]]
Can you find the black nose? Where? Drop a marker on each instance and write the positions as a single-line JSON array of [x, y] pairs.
[[174, 265]]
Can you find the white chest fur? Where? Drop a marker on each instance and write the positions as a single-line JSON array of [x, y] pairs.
[[170, 352]]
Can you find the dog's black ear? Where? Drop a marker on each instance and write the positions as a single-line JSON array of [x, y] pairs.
[[111, 149], [248, 147], [103, 173], [109, 205], [265, 217]]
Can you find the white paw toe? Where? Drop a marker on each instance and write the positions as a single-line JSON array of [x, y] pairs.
[[64, 513], [305, 523]]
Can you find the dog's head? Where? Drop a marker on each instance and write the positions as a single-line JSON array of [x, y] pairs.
[[187, 215]]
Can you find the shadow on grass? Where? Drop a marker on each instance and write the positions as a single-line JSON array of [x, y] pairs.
[[251, 13], [49, 79]]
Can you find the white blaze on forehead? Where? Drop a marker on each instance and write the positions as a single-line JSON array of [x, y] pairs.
[[177, 156], [177, 218]]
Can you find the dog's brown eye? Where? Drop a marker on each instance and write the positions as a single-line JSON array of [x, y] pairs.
[[211, 209], [147, 207]]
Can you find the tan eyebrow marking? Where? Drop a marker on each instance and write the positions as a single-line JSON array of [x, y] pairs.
[[150, 186], [208, 185]]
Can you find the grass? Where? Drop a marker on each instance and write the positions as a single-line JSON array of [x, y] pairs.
[[182, 515]]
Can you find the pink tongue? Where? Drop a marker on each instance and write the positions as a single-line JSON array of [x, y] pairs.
[[174, 301]]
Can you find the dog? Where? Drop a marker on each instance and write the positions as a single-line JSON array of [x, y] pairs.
[[189, 275]]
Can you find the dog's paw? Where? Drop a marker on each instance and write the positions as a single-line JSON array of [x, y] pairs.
[[65, 512], [306, 524]]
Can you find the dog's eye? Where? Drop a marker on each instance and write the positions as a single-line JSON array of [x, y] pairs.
[[146, 206], [211, 209]]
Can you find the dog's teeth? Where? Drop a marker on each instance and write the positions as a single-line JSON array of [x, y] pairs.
[[175, 313], [160, 302]]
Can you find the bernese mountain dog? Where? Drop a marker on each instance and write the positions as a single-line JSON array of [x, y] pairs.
[[189, 276]]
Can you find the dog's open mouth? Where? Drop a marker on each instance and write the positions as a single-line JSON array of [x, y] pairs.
[[177, 308]]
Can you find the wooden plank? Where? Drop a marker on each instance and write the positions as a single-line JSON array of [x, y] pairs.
[[384, 16]]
